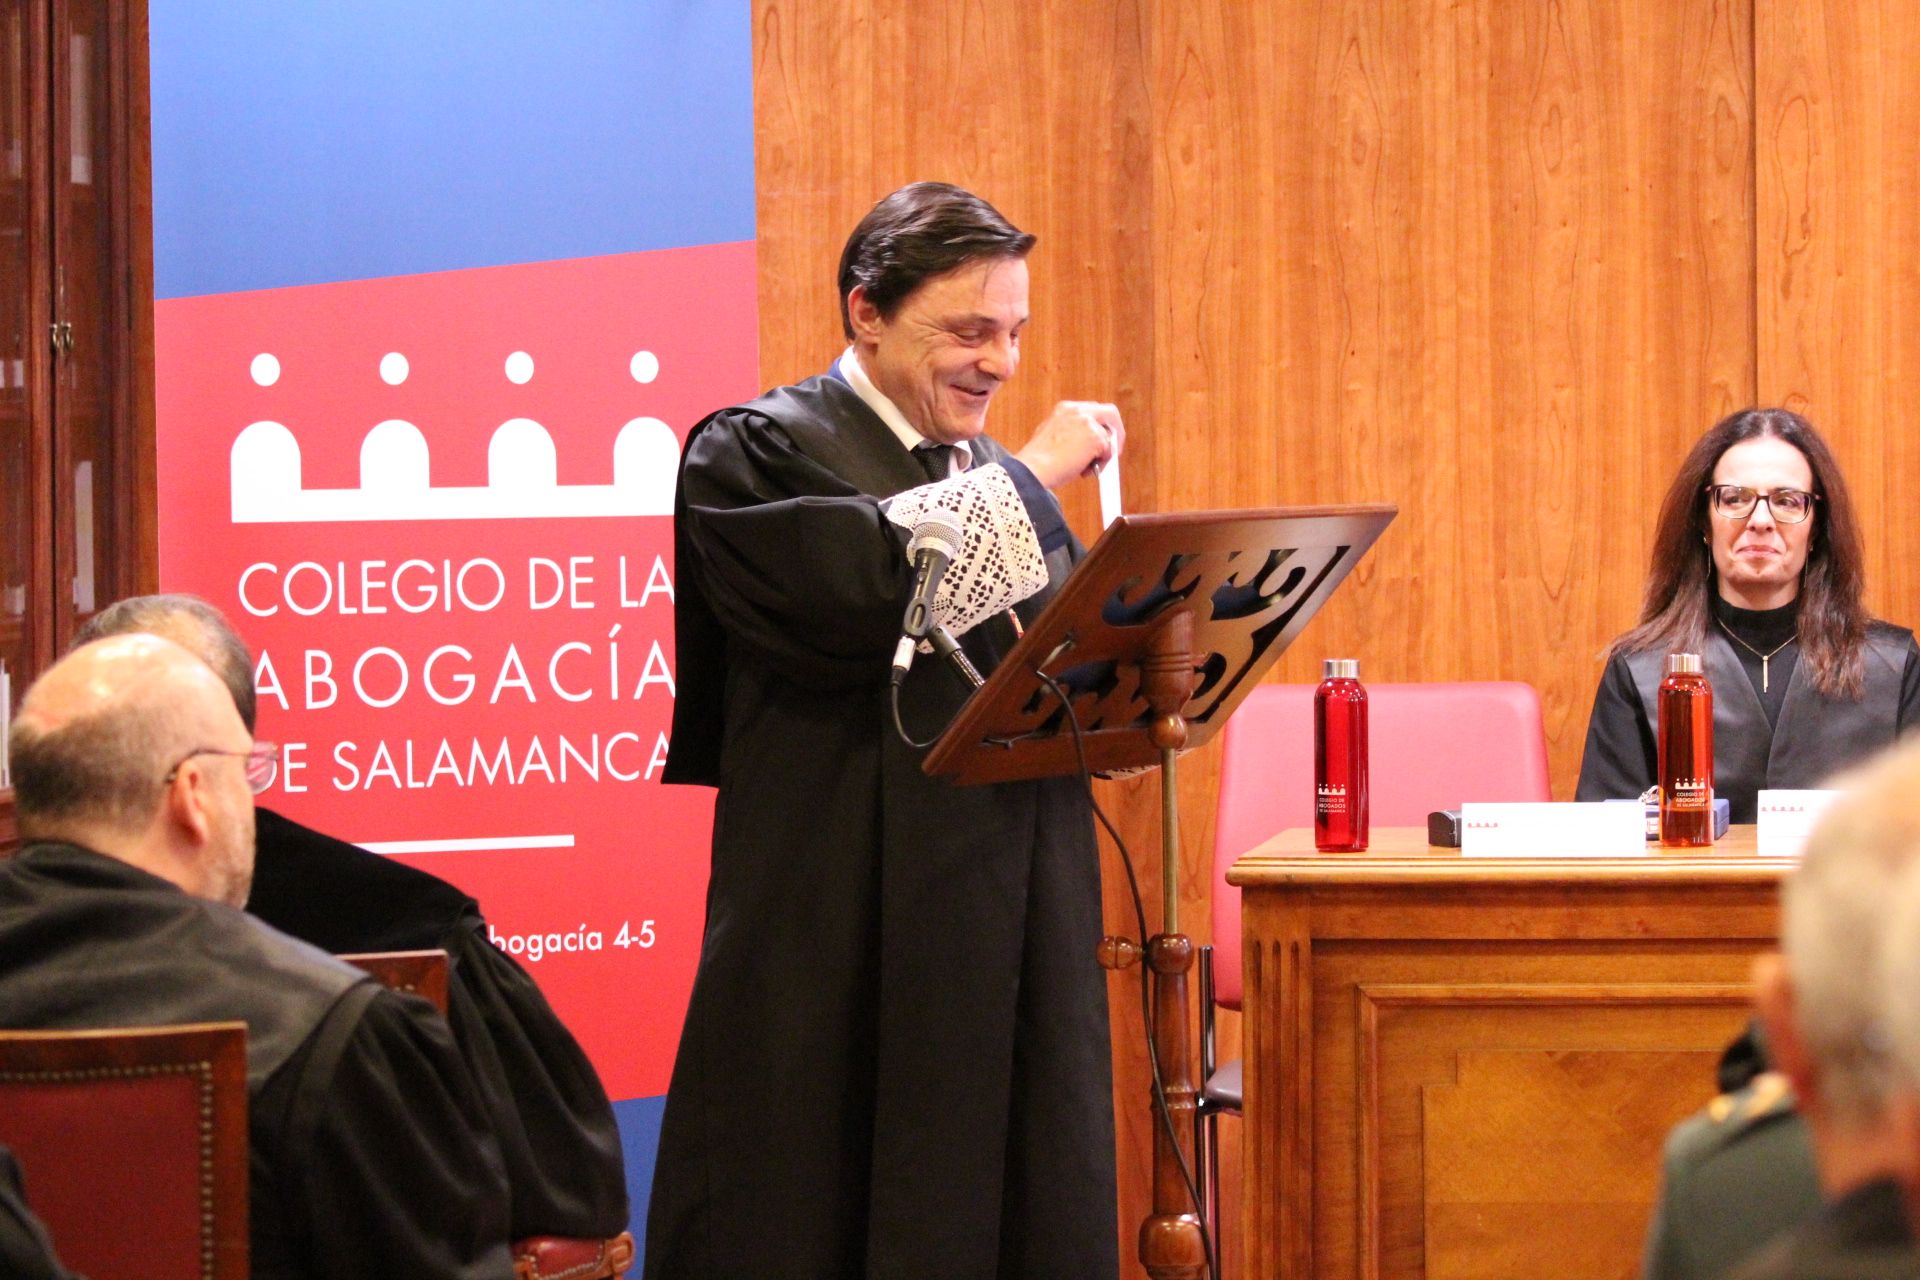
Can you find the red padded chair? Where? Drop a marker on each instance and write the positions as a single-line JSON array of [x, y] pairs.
[[133, 1146], [1430, 746]]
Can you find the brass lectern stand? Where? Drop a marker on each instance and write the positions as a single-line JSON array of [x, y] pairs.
[[1155, 638]]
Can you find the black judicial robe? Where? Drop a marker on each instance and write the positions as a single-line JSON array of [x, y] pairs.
[[896, 1061], [369, 1152], [545, 1104], [1816, 736]]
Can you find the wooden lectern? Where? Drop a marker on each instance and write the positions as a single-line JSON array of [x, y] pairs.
[[1155, 638]]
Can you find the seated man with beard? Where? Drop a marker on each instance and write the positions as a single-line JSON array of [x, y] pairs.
[[133, 779], [544, 1103]]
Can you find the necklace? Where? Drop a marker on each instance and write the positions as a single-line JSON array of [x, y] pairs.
[[1764, 657]]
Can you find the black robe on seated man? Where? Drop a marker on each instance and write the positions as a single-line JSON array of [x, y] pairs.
[[545, 1103], [896, 1061], [1814, 738], [369, 1151]]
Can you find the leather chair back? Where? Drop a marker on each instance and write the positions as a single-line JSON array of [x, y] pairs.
[[133, 1146]]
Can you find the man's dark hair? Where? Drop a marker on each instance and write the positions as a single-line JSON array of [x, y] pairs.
[[191, 623], [923, 230]]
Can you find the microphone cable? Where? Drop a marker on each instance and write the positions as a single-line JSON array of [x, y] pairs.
[[899, 726], [1146, 977], [944, 644], [1140, 917]]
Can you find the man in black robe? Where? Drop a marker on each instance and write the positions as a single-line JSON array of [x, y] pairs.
[[896, 1061], [369, 1149], [544, 1102]]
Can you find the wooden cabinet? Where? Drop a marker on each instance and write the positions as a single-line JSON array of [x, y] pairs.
[[1466, 1067], [76, 325]]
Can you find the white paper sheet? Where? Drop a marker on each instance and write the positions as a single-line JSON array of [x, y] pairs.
[[1110, 490]]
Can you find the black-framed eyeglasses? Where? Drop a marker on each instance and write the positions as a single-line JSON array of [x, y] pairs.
[[1736, 502], [263, 763]]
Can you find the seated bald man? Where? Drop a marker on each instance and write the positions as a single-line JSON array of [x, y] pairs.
[[566, 1173], [132, 780]]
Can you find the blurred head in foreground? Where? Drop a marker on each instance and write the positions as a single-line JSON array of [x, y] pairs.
[[1825, 1001]]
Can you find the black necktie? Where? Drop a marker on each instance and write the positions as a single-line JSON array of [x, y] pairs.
[[935, 460]]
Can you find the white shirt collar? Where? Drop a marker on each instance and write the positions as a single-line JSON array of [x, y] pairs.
[[887, 411]]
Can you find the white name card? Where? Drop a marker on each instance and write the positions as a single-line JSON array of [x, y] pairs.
[[1581, 830], [1787, 818]]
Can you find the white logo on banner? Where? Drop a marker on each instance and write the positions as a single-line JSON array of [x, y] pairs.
[[522, 468]]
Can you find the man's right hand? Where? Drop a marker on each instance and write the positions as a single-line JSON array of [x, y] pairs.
[[1077, 439]]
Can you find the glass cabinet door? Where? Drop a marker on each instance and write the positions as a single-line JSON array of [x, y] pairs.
[[92, 483], [25, 562], [75, 328]]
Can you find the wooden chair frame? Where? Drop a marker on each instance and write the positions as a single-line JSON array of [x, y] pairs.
[[215, 1054], [417, 973]]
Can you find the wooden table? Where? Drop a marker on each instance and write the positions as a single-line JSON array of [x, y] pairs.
[[1464, 1067]]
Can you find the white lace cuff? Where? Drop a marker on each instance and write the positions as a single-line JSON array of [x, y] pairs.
[[1001, 564]]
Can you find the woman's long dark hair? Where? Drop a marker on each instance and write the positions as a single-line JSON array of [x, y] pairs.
[[1832, 623]]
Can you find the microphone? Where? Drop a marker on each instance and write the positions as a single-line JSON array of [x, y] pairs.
[[943, 644], [936, 541], [947, 646]]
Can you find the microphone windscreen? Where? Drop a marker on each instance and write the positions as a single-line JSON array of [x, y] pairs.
[[937, 531]]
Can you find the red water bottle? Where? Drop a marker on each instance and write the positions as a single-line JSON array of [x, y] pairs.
[[1340, 759], [1686, 753]]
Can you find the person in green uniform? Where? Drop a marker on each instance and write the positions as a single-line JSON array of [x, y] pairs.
[[1733, 1176]]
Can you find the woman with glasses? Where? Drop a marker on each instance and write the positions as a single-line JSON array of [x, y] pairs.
[[1757, 568]]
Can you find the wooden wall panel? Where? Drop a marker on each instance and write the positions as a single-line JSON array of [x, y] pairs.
[[1601, 1112], [1492, 262], [1490, 259], [1838, 267], [1516, 284]]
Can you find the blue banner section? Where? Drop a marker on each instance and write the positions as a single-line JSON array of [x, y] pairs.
[[310, 142], [640, 1138]]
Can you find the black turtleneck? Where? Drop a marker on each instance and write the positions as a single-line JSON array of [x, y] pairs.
[[1763, 631]]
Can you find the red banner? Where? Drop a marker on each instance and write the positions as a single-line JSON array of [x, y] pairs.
[[438, 508]]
